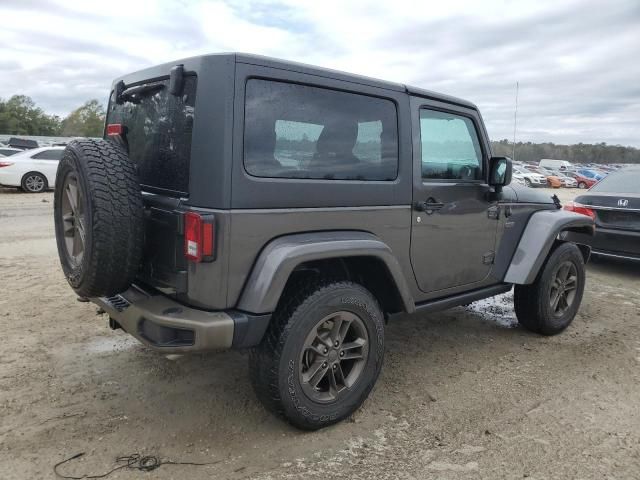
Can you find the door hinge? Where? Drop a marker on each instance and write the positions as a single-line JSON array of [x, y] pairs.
[[487, 258], [493, 212]]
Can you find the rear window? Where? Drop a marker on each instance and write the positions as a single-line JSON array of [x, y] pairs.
[[8, 151], [298, 131], [619, 182], [159, 127]]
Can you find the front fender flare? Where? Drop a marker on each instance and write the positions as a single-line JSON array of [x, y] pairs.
[[543, 229], [282, 255]]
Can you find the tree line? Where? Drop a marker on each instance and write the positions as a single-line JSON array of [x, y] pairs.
[[579, 153], [19, 115]]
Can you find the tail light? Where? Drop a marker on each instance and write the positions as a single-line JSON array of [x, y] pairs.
[[114, 129], [199, 237], [579, 208], [5, 164]]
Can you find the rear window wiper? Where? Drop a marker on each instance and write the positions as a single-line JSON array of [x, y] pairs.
[[134, 94]]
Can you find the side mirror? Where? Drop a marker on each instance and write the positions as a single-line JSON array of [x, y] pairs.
[[500, 171]]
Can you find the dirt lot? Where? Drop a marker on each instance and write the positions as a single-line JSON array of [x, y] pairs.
[[463, 394]]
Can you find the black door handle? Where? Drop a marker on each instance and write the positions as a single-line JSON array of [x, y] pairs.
[[429, 205]]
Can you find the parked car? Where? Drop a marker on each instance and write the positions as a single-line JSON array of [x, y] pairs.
[[22, 143], [8, 151], [591, 173], [298, 232], [517, 179], [552, 180], [567, 181], [555, 164], [529, 178], [32, 170], [614, 204], [583, 182]]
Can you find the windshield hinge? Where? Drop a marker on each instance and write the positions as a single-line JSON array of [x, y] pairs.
[[176, 80]]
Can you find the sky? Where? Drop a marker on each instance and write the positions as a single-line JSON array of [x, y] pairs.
[[577, 61]]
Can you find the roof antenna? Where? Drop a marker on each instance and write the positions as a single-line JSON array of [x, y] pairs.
[[515, 123]]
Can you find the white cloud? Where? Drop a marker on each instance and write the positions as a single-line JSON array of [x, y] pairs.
[[575, 59]]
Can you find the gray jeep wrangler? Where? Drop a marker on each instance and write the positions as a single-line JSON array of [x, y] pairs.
[[238, 201]]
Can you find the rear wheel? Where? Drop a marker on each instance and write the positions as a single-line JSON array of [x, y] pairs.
[[321, 355], [549, 305], [34, 182]]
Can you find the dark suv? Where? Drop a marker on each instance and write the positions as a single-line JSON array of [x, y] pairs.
[[239, 201]]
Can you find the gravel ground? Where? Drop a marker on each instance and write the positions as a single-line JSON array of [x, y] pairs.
[[463, 394]]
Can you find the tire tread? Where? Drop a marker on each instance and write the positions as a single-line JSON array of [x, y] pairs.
[[264, 359], [529, 300], [117, 229]]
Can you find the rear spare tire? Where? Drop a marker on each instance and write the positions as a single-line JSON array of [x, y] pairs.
[[98, 217]]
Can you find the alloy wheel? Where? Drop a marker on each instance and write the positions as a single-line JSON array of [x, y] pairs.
[[73, 219], [333, 356], [564, 285], [34, 183]]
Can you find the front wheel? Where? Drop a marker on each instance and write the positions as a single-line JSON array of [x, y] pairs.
[[527, 182], [322, 354], [582, 185], [549, 304]]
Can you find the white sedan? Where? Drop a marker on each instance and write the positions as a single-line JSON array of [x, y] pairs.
[[32, 170]]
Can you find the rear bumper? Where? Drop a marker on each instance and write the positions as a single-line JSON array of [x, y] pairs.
[[613, 243], [170, 327]]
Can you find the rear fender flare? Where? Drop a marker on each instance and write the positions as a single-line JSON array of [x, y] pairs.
[[282, 255], [543, 230]]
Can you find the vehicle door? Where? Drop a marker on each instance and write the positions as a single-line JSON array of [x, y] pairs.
[[454, 220], [46, 162]]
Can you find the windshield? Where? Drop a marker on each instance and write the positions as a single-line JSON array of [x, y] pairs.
[[619, 182]]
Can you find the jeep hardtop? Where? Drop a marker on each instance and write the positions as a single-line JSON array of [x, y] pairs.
[[238, 201]]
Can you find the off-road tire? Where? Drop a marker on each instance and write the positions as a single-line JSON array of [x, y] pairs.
[[113, 217], [29, 189], [275, 363], [532, 302]]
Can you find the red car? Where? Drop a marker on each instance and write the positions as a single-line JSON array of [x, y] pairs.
[[583, 182]]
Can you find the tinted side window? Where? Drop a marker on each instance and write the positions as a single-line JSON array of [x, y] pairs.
[[297, 131], [450, 146], [49, 155]]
